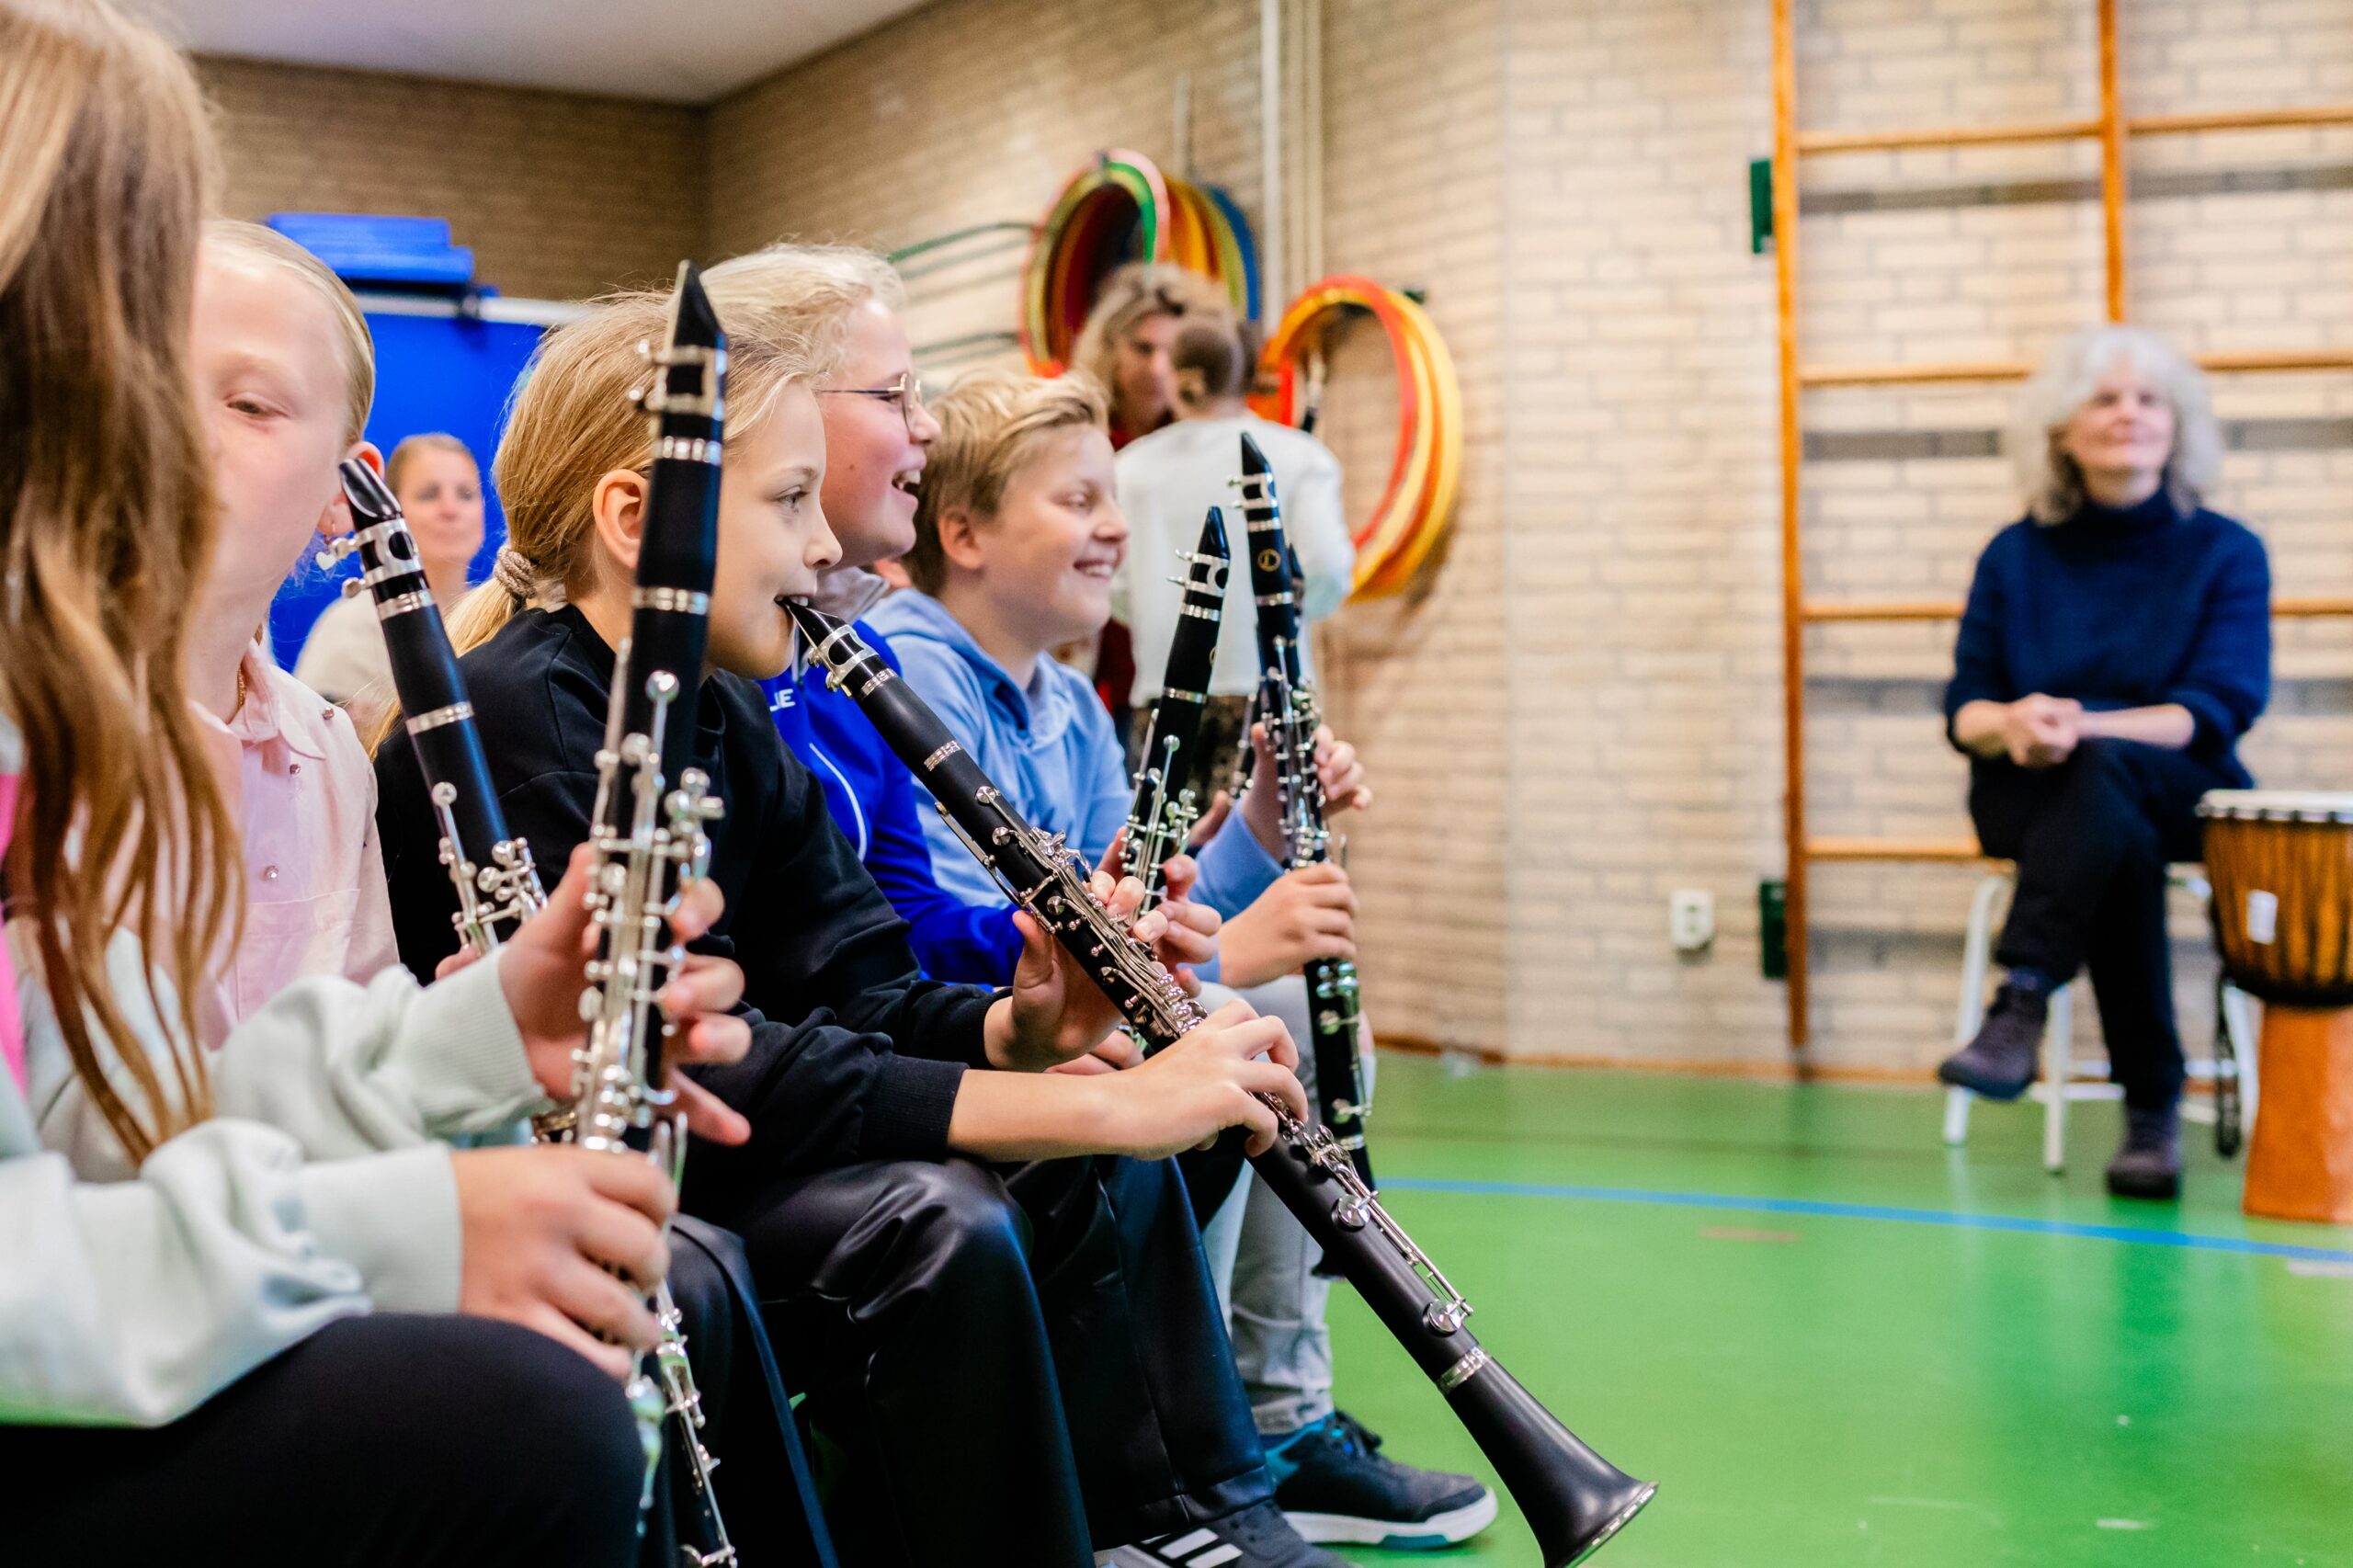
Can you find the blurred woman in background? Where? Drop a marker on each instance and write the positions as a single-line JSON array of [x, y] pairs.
[[2116, 646], [439, 485]]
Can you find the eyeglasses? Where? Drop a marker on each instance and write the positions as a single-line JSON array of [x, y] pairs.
[[906, 391]]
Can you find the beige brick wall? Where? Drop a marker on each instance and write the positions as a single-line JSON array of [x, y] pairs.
[[560, 195], [972, 112], [1415, 195], [1580, 712]]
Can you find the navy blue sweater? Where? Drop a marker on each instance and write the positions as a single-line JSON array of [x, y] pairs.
[[2124, 609], [873, 796]]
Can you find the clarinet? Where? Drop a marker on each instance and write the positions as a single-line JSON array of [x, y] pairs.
[[492, 871], [1572, 1497], [1287, 707], [1164, 810]]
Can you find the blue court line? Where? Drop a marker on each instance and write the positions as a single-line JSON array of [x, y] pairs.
[[1821, 1209]]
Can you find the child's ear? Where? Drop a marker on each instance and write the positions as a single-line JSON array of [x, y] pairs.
[[960, 538], [336, 521], [618, 506]]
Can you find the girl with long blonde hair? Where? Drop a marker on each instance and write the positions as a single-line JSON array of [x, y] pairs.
[[261, 1254]]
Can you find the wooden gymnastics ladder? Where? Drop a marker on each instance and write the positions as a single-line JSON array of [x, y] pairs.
[[2110, 128]]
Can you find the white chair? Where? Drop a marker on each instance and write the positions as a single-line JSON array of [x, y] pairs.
[[2061, 1083]]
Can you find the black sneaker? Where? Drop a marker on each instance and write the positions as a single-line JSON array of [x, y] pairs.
[[1257, 1536], [2148, 1162], [1335, 1483], [2002, 1061]]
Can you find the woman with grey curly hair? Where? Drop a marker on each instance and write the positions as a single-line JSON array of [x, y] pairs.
[[2116, 645]]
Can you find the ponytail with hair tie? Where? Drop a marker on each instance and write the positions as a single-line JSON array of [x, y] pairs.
[[516, 572]]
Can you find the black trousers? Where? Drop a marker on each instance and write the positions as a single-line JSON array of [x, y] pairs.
[[765, 1495], [1023, 1364], [385, 1440], [2091, 838]]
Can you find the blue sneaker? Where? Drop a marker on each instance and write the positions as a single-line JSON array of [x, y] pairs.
[[1333, 1483]]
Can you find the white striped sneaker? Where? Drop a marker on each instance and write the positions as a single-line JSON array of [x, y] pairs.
[[1257, 1537]]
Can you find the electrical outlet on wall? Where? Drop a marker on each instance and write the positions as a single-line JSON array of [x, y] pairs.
[[1691, 919]]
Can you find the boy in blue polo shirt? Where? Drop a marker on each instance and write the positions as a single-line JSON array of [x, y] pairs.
[[1018, 534]]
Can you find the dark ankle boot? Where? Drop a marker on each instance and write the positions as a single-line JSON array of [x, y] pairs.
[[2148, 1162], [2004, 1057]]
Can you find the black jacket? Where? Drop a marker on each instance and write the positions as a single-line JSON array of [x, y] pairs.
[[870, 1063]]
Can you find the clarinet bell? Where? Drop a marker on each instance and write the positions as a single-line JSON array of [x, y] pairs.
[[1573, 1498]]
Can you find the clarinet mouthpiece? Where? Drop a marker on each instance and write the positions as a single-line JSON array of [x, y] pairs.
[[371, 500], [692, 320]]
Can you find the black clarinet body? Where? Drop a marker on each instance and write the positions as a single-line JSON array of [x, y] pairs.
[[1165, 807], [498, 886], [1573, 1497], [647, 824], [1288, 707]]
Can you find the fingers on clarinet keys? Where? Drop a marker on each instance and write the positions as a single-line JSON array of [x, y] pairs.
[[565, 1242]]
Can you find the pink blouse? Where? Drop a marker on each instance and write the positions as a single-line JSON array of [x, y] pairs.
[[299, 784]]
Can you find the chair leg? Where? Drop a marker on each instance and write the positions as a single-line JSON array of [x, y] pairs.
[[2058, 1073], [1976, 958], [1957, 1115], [2238, 1016]]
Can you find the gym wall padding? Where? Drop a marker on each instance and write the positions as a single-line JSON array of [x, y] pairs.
[[433, 372]]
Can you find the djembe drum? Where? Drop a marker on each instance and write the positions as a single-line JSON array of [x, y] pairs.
[[2281, 866]]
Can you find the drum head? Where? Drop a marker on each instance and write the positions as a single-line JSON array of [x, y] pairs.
[[2277, 805]]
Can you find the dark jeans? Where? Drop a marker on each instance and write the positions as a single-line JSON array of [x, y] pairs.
[[2091, 838], [1023, 1364], [384, 1440]]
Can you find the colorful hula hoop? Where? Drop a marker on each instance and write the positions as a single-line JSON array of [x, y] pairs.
[[1418, 502], [1119, 208]]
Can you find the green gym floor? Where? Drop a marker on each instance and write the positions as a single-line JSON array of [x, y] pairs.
[[1831, 1340]]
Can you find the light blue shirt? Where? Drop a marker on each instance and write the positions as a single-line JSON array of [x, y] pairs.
[[1049, 745]]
